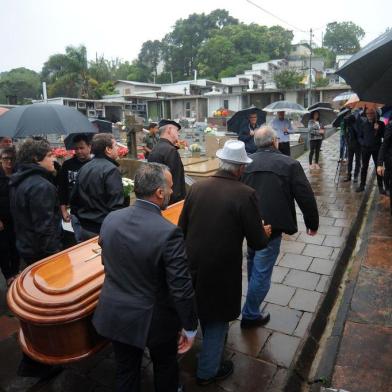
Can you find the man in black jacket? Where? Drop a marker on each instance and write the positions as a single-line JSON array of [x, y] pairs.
[[98, 189], [147, 295], [384, 161], [246, 135], [36, 213], [67, 178], [166, 152], [353, 146], [34, 202], [279, 181], [370, 134]]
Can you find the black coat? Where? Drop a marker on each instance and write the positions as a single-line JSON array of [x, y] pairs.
[[67, 178], [5, 210], [35, 211], [98, 190], [385, 152], [280, 181], [368, 137], [165, 152], [249, 141], [147, 295], [218, 214]]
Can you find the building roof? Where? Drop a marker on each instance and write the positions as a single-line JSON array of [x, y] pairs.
[[138, 83]]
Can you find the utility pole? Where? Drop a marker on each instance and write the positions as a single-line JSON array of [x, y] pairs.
[[310, 69]]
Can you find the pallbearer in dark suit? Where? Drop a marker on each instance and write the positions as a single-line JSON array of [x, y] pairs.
[[218, 214], [147, 296]]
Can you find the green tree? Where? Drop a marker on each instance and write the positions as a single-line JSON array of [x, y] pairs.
[[288, 79], [150, 55], [321, 82], [343, 37], [67, 74], [180, 47], [22, 83], [328, 55]]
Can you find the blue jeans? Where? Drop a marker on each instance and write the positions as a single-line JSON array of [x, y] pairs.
[[210, 357], [260, 266]]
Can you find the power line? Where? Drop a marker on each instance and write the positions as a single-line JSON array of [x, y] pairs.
[[276, 17]]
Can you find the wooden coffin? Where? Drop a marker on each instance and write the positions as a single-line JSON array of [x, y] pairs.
[[55, 298]]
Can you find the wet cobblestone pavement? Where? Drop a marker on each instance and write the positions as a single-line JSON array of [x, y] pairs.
[[262, 356]]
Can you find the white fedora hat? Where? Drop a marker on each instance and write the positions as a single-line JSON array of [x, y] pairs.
[[234, 152]]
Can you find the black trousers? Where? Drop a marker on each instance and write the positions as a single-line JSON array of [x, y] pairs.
[[315, 147], [284, 148], [366, 155], [354, 151], [129, 359], [9, 258]]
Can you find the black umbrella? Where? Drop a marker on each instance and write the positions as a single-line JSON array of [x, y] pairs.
[[327, 114], [43, 119], [369, 72], [240, 121], [340, 116]]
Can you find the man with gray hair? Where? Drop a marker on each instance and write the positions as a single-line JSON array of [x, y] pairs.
[[147, 296], [165, 151], [218, 214], [279, 181]]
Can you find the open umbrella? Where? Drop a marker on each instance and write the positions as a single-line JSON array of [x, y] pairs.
[[343, 96], [355, 103], [344, 112], [240, 121], [327, 114], [43, 119], [285, 106], [3, 110], [369, 71]]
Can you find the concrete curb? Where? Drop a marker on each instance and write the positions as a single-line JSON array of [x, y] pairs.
[[299, 370]]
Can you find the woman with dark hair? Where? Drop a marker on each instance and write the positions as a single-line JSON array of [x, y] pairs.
[[316, 133], [9, 258]]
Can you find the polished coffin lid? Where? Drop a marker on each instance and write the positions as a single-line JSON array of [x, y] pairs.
[[66, 286]]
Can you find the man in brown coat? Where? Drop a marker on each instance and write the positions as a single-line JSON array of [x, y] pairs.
[[218, 214]]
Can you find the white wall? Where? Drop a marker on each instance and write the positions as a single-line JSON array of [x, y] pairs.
[[216, 102]]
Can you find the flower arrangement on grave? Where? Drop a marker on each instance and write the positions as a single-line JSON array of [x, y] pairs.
[[122, 152], [128, 186], [194, 148]]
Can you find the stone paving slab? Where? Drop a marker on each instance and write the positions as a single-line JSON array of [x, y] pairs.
[[263, 357], [364, 360]]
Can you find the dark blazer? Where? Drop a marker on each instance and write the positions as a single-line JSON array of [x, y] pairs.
[[147, 295], [98, 190], [368, 137], [165, 152], [280, 181], [218, 214], [249, 141]]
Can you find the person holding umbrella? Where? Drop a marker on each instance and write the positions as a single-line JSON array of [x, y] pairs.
[[246, 135], [283, 128], [316, 131]]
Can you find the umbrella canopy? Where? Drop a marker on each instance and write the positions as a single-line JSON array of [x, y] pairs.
[[3, 110], [320, 105], [285, 106], [239, 121], [327, 114], [343, 96], [355, 103], [43, 119], [340, 116], [369, 72]]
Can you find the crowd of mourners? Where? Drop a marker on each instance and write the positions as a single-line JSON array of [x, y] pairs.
[[162, 281]]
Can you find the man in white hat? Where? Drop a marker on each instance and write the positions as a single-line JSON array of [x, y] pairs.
[[218, 214]]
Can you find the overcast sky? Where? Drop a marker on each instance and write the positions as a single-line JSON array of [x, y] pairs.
[[32, 30]]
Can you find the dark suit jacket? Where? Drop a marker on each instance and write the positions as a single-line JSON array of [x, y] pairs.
[[218, 214], [147, 294], [166, 153]]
